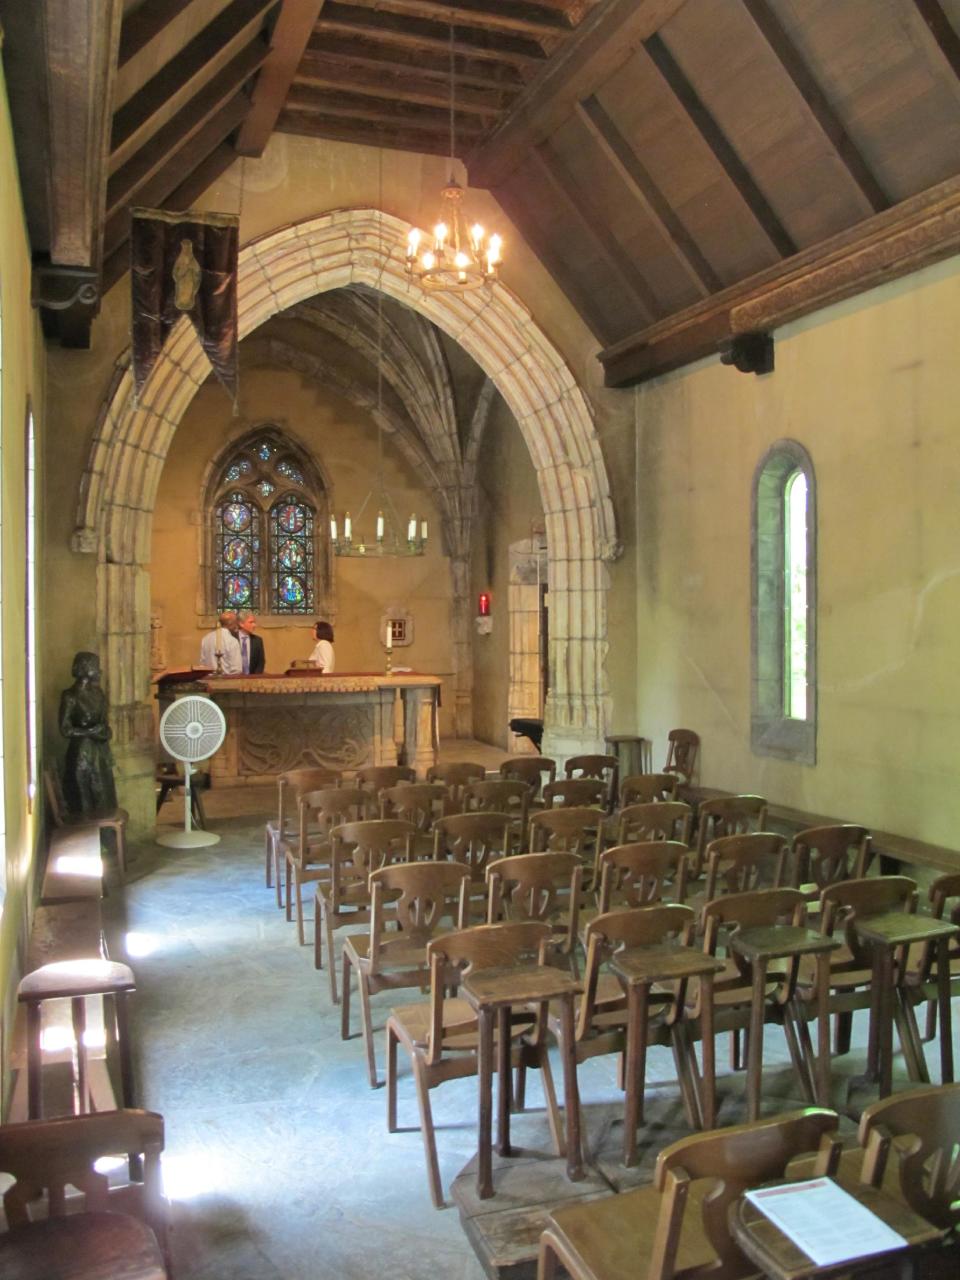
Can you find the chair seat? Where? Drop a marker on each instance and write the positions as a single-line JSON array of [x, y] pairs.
[[459, 1024], [64, 979], [398, 953], [82, 1246]]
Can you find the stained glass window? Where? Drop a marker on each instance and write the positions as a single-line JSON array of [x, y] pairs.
[[265, 488], [238, 553], [237, 470], [291, 558], [289, 470], [264, 450]]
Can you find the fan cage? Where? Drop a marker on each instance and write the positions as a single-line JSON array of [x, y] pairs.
[[192, 728]]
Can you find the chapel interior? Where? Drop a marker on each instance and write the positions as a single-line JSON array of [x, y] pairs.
[[685, 459]]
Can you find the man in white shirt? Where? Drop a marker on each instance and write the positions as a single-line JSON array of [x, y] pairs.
[[220, 648]]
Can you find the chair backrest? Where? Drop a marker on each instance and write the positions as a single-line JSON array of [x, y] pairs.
[[532, 769], [605, 768], [944, 905], [642, 788], [847, 901], [489, 946], [655, 820], [499, 795], [682, 748], [321, 811], [455, 774], [359, 848], [735, 1159], [573, 830], [419, 897], [293, 783], [824, 855], [537, 886], [738, 863], [374, 777], [51, 1155], [566, 793], [639, 873], [923, 1128], [421, 803], [727, 816], [475, 840]]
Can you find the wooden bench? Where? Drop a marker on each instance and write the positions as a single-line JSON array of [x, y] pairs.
[[74, 870]]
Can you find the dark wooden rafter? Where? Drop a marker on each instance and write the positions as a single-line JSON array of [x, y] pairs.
[[603, 41], [127, 181], [915, 233], [293, 29], [395, 60], [188, 70], [946, 38], [614, 147], [347, 106], [312, 125], [724, 153], [511, 16], [591, 224], [819, 109], [324, 73], [385, 28], [143, 24], [521, 213]]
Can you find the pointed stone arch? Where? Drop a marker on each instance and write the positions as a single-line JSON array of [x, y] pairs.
[[282, 268]]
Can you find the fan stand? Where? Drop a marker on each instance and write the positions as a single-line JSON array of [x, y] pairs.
[[190, 837]]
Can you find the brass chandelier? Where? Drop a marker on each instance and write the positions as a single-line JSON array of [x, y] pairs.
[[458, 258]]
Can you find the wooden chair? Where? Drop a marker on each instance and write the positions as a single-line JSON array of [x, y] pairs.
[[475, 840], [640, 873], [824, 855], [678, 1227], [539, 886], [45, 1157], [568, 793], [441, 1036], [604, 768], [455, 774], [644, 788], [291, 785], [420, 803], [531, 769], [919, 984], [115, 820], [921, 1129], [738, 863], [308, 858], [683, 746], [501, 795], [356, 850], [576, 830], [420, 900], [652, 820], [374, 777], [726, 816]]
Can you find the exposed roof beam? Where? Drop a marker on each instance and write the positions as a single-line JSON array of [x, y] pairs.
[[324, 73], [308, 124], [290, 35], [947, 40], [584, 300], [592, 224], [349, 107], [146, 22], [497, 15], [393, 58], [688, 100], [920, 230], [387, 29], [183, 75], [802, 79], [126, 182], [603, 41], [621, 156]]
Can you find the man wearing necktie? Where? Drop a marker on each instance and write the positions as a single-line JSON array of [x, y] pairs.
[[251, 646]]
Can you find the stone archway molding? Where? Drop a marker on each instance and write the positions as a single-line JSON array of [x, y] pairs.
[[286, 267]]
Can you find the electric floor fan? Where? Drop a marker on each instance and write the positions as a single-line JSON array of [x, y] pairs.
[[191, 729]]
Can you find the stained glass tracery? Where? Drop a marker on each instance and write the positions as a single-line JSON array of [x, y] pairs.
[[291, 568], [238, 552]]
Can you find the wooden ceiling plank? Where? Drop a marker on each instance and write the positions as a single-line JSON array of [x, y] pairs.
[[183, 197], [591, 224], [326, 73], [124, 184], [385, 29], [140, 27], [189, 69], [619, 153], [939, 26], [313, 125], [804, 82], [603, 41], [389, 59], [688, 100], [178, 167], [503, 15], [912, 234], [293, 29], [556, 264], [335, 103]]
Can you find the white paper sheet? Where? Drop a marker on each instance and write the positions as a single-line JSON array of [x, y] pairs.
[[824, 1221]]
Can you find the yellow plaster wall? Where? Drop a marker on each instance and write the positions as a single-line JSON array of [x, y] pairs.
[[22, 383], [342, 438], [871, 388]]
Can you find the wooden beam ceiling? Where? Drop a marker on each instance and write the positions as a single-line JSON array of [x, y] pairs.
[[354, 20], [327, 73], [290, 35], [393, 60], [944, 35], [497, 15]]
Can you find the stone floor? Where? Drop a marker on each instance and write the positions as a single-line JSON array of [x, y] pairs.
[[278, 1162]]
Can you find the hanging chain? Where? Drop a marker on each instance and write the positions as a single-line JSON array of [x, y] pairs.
[[380, 321], [453, 102]]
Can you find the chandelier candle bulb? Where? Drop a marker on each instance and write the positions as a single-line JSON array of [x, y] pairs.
[[347, 528], [423, 531], [412, 529], [333, 529], [380, 527], [389, 637]]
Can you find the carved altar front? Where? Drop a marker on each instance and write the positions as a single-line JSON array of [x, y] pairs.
[[276, 723]]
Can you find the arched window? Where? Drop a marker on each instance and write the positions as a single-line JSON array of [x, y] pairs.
[[784, 605], [267, 507]]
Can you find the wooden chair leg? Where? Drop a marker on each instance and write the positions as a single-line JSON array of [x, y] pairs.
[[843, 1033], [366, 1018], [797, 1057], [909, 1034], [736, 1051], [78, 1013], [120, 836], [34, 1060], [268, 859], [391, 1079], [547, 1261], [298, 890], [553, 1111], [331, 957], [930, 1029], [429, 1137], [278, 857], [520, 1089], [346, 965], [287, 898]]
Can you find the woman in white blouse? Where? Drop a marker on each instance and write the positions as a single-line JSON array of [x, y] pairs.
[[322, 655]]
